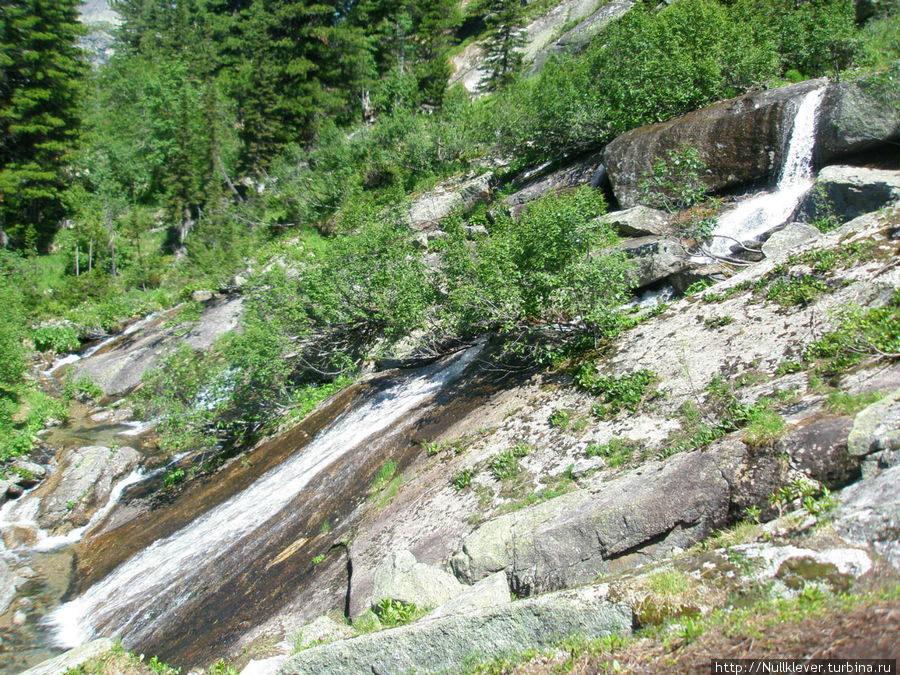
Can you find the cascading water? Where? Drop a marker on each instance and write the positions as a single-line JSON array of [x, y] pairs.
[[763, 213], [150, 589]]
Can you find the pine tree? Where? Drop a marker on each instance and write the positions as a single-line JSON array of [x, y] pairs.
[[504, 58], [41, 70]]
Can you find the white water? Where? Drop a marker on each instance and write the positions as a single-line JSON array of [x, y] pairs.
[[72, 358], [23, 513], [763, 213], [147, 590]]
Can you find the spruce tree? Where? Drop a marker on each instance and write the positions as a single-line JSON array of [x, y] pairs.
[[41, 69], [504, 58]]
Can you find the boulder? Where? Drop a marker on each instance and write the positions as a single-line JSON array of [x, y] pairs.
[[848, 192], [267, 666], [869, 514], [70, 661], [119, 367], [321, 631], [570, 539], [588, 171], [875, 436], [489, 592], [741, 141], [638, 221], [26, 474], [450, 642], [857, 115], [656, 258], [400, 577], [582, 33], [818, 448], [783, 241], [8, 583], [84, 484], [434, 206]]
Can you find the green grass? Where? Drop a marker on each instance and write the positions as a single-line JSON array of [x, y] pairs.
[[616, 452], [845, 403]]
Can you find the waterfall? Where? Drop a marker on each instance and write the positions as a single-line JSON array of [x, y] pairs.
[[763, 213], [146, 591]]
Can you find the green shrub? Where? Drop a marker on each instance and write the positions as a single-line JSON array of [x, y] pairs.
[[505, 465], [616, 452], [59, 339], [395, 613], [462, 478], [617, 393]]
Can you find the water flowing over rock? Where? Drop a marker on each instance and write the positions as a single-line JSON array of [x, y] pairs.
[[762, 213], [168, 592], [83, 484], [742, 141], [452, 641]]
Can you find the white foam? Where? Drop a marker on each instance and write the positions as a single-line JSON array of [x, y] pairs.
[[764, 212]]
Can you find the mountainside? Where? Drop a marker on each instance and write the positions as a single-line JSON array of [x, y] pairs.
[[448, 337]]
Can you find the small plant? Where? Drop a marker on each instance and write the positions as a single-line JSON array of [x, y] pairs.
[[754, 513], [367, 622], [82, 388], [618, 393], [505, 465], [462, 479], [384, 476], [616, 452], [713, 322], [788, 367], [689, 630], [172, 477], [70, 505], [325, 528], [560, 419], [698, 287], [764, 426], [318, 559], [395, 613], [850, 404]]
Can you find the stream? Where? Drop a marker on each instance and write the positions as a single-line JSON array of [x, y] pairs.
[[182, 581]]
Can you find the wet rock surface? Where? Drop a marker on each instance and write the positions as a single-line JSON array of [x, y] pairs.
[[740, 141]]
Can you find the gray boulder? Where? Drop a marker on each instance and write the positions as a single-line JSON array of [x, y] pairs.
[[869, 514], [857, 115], [84, 484], [267, 666], [400, 577], [71, 659], [850, 191], [792, 235], [26, 474], [583, 172], [489, 592], [582, 33], [656, 258], [875, 437], [818, 448], [321, 631], [119, 367], [741, 140], [452, 641], [638, 221], [434, 206], [570, 539]]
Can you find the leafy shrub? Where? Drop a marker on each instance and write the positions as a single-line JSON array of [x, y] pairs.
[[59, 339], [505, 465], [616, 452], [395, 613], [617, 393], [462, 478]]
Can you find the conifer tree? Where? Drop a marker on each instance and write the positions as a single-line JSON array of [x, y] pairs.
[[504, 58], [41, 69]]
